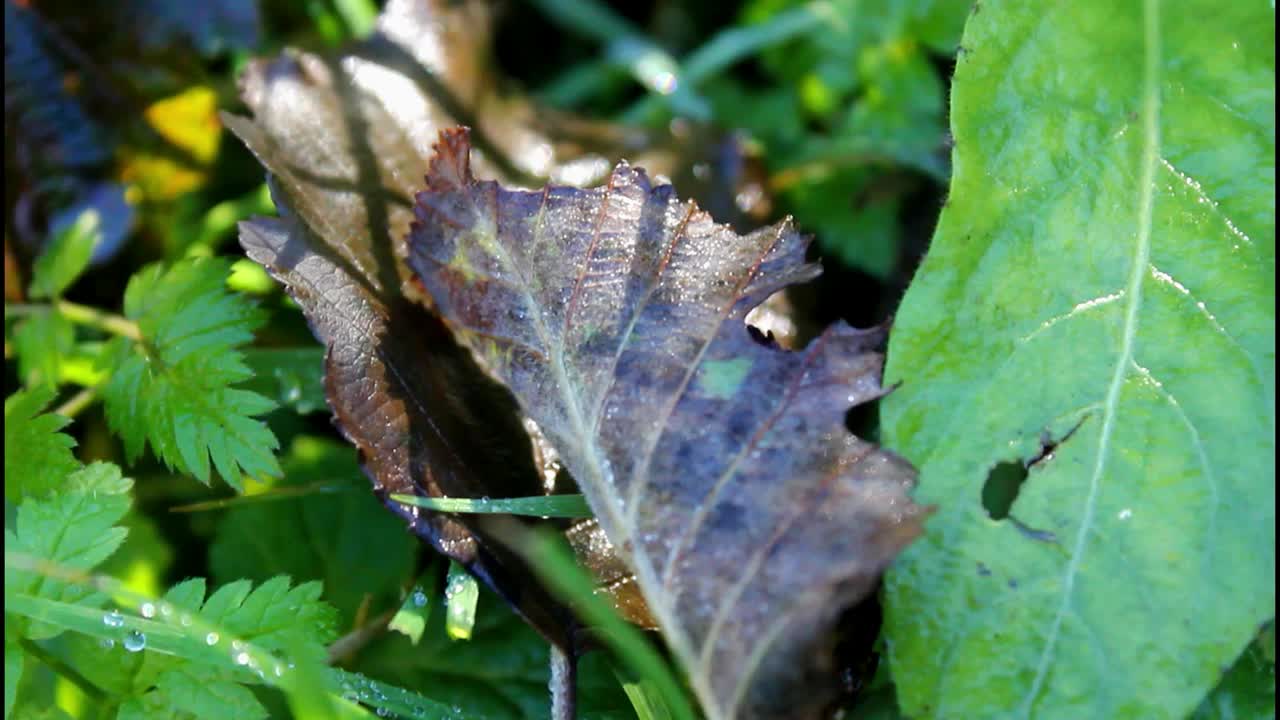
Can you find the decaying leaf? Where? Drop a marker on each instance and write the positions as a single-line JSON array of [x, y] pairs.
[[347, 139], [424, 420], [716, 462]]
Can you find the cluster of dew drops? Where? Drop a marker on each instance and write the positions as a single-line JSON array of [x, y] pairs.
[[136, 641], [359, 689], [355, 688]]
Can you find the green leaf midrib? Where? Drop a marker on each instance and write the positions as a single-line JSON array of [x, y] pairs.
[[1150, 115]]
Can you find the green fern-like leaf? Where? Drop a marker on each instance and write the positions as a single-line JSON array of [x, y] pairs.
[[37, 458], [273, 617], [188, 692], [175, 390], [74, 528]]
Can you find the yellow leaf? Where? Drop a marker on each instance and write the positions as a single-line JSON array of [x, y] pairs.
[[189, 122]]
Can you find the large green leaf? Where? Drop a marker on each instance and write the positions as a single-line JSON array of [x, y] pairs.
[[1106, 258], [1248, 689]]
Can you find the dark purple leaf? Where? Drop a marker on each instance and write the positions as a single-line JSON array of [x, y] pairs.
[[717, 463]]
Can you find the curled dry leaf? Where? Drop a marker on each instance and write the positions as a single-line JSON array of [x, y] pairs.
[[717, 462]]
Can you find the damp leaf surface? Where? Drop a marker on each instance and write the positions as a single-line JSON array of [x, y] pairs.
[[1106, 260], [716, 462]]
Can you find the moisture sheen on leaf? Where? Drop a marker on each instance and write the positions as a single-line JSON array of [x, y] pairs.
[[1107, 257], [718, 464]]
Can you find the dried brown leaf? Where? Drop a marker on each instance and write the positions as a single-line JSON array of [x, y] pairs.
[[716, 462]]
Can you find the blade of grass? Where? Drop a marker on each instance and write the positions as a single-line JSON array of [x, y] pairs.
[[626, 46], [560, 506], [735, 44], [549, 555], [291, 492]]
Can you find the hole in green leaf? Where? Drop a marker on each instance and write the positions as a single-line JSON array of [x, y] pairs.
[[1001, 488]]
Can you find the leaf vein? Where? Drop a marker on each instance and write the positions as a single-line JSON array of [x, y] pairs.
[[1141, 256]]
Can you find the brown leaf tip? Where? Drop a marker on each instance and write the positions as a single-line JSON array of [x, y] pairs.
[[451, 160]]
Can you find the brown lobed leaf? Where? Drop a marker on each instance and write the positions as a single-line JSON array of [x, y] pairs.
[[717, 462]]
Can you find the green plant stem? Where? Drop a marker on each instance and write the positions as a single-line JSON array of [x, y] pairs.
[[64, 670], [78, 402], [82, 315], [737, 43], [345, 648], [93, 317]]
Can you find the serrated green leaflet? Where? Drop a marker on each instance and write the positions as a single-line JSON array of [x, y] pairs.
[[74, 527], [36, 456], [197, 654], [1107, 258], [176, 389]]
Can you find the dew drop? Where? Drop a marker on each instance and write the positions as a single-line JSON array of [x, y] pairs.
[[184, 620], [1125, 514], [211, 639], [134, 641], [106, 643], [113, 619], [242, 658], [383, 712], [148, 610], [419, 598]]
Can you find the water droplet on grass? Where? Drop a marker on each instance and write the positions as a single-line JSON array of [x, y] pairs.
[[113, 619], [211, 639], [134, 641]]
